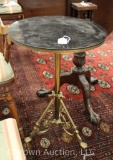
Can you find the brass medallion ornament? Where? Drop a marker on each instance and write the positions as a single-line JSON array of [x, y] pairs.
[[66, 137]]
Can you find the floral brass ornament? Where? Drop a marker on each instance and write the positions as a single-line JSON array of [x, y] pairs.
[[103, 84], [91, 68], [103, 66], [45, 143], [73, 89], [87, 131], [48, 74], [105, 127], [66, 137], [102, 53], [41, 61], [67, 57], [6, 111], [90, 54]]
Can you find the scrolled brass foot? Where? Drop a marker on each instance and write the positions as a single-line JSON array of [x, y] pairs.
[[83, 145], [27, 146], [79, 139], [27, 143], [27, 139]]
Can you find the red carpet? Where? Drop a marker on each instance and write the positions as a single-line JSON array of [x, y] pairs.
[[34, 70]]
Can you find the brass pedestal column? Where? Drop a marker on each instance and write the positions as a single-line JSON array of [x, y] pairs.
[[60, 116]]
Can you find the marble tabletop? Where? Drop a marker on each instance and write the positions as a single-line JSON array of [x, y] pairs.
[[57, 33]]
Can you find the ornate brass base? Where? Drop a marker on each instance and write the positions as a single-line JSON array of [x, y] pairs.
[[80, 77], [47, 120]]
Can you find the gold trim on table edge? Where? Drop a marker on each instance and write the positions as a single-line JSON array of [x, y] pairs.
[[58, 51]]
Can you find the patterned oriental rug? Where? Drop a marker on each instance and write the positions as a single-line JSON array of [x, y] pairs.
[[35, 70]]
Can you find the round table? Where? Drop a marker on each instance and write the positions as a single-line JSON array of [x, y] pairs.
[[60, 34]]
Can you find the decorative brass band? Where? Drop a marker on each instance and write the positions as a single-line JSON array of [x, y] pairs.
[[56, 51]]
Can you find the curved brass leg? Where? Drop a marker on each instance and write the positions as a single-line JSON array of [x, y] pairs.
[[76, 132]]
